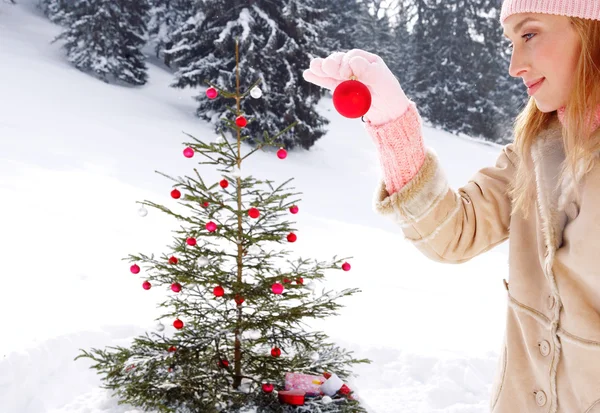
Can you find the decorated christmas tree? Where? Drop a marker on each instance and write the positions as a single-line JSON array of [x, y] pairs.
[[237, 303]]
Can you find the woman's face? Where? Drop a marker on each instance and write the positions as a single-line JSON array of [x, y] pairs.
[[545, 47]]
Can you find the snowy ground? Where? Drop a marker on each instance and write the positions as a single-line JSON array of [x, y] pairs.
[[75, 156]]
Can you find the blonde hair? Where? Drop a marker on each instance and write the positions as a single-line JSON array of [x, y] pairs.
[[579, 140]]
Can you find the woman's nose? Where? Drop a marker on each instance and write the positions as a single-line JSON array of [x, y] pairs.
[[518, 64]]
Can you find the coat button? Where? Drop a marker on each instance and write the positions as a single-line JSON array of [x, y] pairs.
[[544, 348], [540, 398], [551, 302]]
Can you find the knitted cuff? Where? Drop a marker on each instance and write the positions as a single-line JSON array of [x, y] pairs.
[[400, 148]]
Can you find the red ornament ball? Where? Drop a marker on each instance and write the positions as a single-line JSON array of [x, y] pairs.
[[173, 260], [286, 281], [188, 152], [176, 287], [294, 209], [282, 153], [146, 285], [175, 194], [267, 387], [299, 280], [346, 266], [191, 241], [253, 213], [277, 288], [218, 291], [239, 299], [352, 99], [135, 269], [292, 237], [205, 204], [223, 363], [178, 324], [275, 352], [241, 121], [211, 226], [172, 349], [212, 93], [224, 183]]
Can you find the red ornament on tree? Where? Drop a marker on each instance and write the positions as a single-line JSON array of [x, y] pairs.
[[282, 153], [211, 92], [223, 363], [191, 241], [146, 285], [218, 291], [253, 213], [135, 269], [277, 288], [286, 281], [176, 287], [267, 387], [172, 349], [175, 194], [173, 260], [346, 266], [211, 226], [352, 99], [241, 121], [299, 280], [275, 352], [188, 152], [178, 324], [224, 184], [294, 209], [292, 237], [239, 299], [205, 204]]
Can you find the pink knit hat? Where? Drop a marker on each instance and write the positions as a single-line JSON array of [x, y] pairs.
[[585, 9]]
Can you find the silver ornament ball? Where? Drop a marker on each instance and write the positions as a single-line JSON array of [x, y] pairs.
[[256, 93], [142, 212]]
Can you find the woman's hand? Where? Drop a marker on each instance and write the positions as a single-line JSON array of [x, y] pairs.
[[388, 99]]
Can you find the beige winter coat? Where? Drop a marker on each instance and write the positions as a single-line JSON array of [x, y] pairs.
[[551, 357]]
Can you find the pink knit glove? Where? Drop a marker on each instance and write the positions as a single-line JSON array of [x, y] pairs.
[[392, 121]]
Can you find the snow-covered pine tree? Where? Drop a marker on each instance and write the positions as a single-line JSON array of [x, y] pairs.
[[166, 16], [238, 304], [106, 37], [56, 10], [280, 37]]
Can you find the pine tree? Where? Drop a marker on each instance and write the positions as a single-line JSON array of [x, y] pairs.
[[281, 37], [166, 16], [240, 302], [105, 37], [57, 10]]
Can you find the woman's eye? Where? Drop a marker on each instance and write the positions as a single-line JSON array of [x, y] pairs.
[[510, 46]]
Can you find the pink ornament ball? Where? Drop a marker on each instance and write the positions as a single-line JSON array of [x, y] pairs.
[[277, 288], [176, 287], [282, 153], [188, 152], [191, 241], [135, 269], [146, 285], [294, 209], [211, 93], [346, 266], [211, 226]]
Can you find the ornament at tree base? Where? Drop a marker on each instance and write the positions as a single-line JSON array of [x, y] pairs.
[[173, 260], [267, 387], [212, 93], [135, 269], [176, 287], [146, 285], [241, 121], [291, 397], [275, 352], [211, 226], [191, 241], [294, 209], [352, 99], [218, 291], [253, 213], [299, 280], [160, 326], [224, 183], [277, 288], [205, 204], [142, 211], [327, 400], [172, 349], [255, 92], [346, 266], [178, 324], [282, 153], [292, 237], [239, 299], [188, 152], [175, 194], [202, 261]]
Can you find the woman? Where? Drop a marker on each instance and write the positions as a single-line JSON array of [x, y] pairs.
[[543, 194]]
